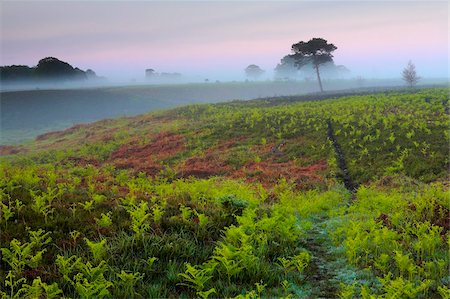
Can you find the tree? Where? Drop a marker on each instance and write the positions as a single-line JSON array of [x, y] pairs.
[[253, 71], [409, 74], [286, 69], [150, 73], [55, 69], [316, 51]]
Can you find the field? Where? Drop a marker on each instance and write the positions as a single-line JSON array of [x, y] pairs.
[[25, 114], [342, 197]]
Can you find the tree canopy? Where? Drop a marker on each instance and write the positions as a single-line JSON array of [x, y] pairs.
[[316, 51], [49, 68], [253, 71]]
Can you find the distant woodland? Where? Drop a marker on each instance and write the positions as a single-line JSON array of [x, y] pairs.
[[47, 69]]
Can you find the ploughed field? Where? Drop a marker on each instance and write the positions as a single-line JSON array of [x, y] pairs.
[[343, 197]]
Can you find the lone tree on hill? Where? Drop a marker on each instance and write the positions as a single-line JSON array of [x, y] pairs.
[[316, 51], [253, 71], [409, 74]]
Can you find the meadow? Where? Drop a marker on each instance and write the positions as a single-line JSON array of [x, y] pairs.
[[31, 111], [342, 197], [28, 113]]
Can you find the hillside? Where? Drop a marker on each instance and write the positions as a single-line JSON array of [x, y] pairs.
[[340, 197]]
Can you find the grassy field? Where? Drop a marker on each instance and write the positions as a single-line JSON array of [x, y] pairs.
[[342, 197], [26, 114]]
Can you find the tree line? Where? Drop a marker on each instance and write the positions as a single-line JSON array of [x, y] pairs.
[[314, 56], [49, 68]]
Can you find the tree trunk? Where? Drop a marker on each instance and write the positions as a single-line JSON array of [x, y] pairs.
[[318, 77]]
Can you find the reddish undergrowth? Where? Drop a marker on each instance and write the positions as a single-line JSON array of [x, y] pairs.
[[147, 157], [11, 150], [210, 163], [269, 172], [81, 161], [62, 133], [205, 166]]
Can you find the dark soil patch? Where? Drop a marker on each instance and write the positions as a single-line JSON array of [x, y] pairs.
[[348, 182]]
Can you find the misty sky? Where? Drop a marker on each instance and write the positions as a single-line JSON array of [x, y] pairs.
[[217, 40]]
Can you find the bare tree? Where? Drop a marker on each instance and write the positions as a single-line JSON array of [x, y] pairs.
[[409, 74]]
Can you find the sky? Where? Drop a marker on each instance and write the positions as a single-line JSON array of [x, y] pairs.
[[217, 40]]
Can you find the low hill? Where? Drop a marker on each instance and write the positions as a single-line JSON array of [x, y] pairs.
[[338, 197]]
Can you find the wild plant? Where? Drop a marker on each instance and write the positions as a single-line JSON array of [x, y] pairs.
[[40, 289], [139, 216], [260, 287], [73, 209], [41, 204], [382, 262], [365, 293], [401, 288], [202, 219], [158, 213], [91, 187], [196, 277], [391, 137], [285, 285], [66, 266], [128, 281], [428, 239], [301, 261], [128, 201], [18, 205], [186, 213], [347, 291], [228, 257], [19, 255], [98, 198], [6, 212], [444, 291], [151, 261], [15, 286], [87, 205], [39, 237], [286, 265], [74, 235], [231, 266], [97, 249], [90, 282], [403, 262], [248, 295], [205, 294], [87, 289], [105, 220], [133, 188]]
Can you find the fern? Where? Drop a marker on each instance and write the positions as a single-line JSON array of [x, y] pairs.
[[97, 249]]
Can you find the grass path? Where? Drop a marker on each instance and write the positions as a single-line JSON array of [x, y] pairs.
[[321, 278]]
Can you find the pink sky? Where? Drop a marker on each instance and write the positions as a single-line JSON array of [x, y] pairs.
[[219, 39]]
